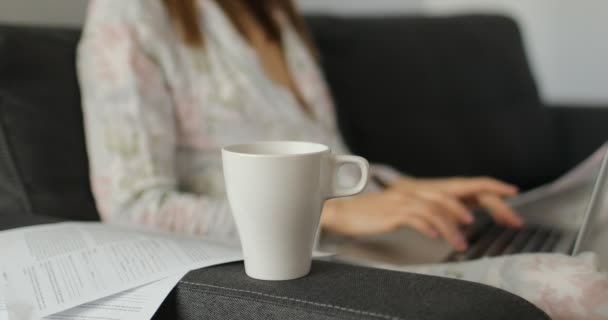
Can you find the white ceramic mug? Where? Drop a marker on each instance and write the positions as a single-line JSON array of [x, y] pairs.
[[276, 191]]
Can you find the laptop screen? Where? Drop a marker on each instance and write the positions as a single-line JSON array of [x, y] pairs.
[[595, 218]]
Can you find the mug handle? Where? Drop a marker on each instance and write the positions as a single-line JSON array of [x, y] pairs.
[[340, 160]]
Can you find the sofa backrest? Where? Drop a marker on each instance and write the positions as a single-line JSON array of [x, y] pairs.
[[438, 95], [43, 161], [432, 96]]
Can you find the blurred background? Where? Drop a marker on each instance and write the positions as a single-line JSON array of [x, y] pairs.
[[565, 40]]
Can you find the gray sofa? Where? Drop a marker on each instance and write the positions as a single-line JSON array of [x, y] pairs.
[[44, 172]]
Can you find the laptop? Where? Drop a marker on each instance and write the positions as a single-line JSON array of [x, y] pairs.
[[564, 222]]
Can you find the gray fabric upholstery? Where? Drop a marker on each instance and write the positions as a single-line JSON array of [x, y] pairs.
[[337, 291], [580, 129], [13, 196], [11, 220], [439, 96], [43, 161]]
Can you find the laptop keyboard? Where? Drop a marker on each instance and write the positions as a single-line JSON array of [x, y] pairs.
[[487, 239]]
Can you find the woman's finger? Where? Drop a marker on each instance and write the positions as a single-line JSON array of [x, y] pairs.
[[446, 227], [421, 225], [463, 187], [449, 205], [499, 210]]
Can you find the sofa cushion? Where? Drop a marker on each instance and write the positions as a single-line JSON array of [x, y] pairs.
[[41, 132], [438, 96]]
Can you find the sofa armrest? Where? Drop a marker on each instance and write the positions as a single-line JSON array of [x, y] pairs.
[[338, 291], [580, 130], [11, 220]]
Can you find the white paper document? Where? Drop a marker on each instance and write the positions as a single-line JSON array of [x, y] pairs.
[[584, 172], [60, 266], [136, 304], [3, 312]]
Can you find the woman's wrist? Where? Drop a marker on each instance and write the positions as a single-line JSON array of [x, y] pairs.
[[329, 214], [403, 183], [386, 174]]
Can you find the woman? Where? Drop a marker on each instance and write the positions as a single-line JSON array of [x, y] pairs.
[[166, 83]]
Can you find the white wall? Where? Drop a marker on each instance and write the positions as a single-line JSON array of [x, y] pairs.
[[567, 40], [360, 6], [46, 12]]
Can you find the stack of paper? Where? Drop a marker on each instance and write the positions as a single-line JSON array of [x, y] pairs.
[[96, 271]]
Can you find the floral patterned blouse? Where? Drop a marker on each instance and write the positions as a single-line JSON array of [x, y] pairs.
[[157, 112]]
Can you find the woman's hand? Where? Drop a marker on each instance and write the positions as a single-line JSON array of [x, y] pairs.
[[475, 192], [434, 207], [376, 213]]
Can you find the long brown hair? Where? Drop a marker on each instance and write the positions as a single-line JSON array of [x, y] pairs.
[[185, 18]]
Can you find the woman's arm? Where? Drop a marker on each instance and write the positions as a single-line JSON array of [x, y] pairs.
[[131, 136]]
